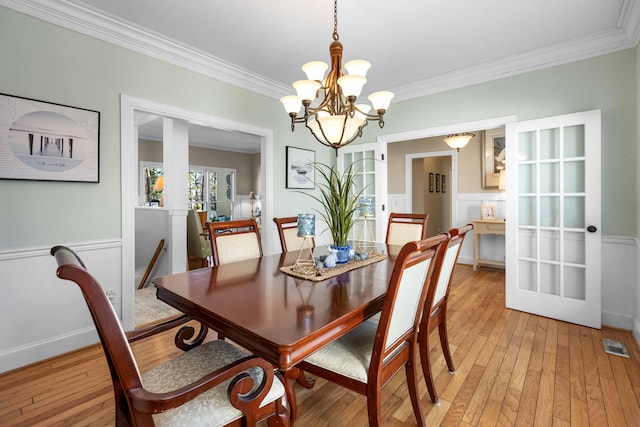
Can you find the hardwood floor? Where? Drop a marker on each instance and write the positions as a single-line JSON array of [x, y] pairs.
[[512, 369]]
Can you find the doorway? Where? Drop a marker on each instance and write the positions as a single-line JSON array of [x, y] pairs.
[[130, 107]]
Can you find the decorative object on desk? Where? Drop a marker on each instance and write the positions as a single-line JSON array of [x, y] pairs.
[[431, 181], [307, 230], [437, 183], [339, 200], [325, 273], [335, 119], [48, 142], [459, 140], [488, 212], [493, 157], [444, 183], [300, 170]]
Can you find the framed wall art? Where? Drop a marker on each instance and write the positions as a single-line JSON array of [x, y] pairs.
[[437, 183], [493, 156], [300, 170], [431, 178], [443, 183], [488, 212], [44, 141]]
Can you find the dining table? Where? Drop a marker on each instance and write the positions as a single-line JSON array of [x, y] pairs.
[[264, 308]]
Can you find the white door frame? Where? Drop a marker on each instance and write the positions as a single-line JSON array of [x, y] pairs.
[[129, 175]]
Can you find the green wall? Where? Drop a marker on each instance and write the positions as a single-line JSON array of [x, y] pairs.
[[50, 63]]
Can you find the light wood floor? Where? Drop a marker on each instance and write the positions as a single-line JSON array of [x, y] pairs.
[[512, 369]]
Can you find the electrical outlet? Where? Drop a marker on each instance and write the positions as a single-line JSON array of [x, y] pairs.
[[112, 297]]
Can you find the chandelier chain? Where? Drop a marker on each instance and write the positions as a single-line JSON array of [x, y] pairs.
[[335, 20]]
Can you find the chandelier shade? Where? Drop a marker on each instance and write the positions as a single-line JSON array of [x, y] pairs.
[[329, 108]]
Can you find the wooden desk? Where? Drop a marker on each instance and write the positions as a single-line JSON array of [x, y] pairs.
[[480, 227], [278, 317]]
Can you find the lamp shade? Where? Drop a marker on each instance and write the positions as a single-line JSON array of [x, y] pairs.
[[306, 225], [159, 184]]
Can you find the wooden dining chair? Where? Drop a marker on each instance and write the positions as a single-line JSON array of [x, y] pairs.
[[288, 233], [435, 312], [211, 384], [233, 241], [405, 227], [366, 358]]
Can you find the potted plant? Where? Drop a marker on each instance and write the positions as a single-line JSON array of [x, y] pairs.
[[339, 200]]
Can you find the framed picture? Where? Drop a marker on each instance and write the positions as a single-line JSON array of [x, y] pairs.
[[431, 178], [437, 183], [488, 212], [44, 141], [300, 170], [493, 157], [444, 183]]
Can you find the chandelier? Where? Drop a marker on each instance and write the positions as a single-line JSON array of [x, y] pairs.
[[330, 109]]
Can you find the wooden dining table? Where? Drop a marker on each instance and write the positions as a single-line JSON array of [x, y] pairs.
[[278, 317]]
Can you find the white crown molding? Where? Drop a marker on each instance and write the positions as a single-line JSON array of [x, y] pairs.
[[90, 22]]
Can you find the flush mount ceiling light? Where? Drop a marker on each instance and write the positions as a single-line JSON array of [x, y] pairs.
[[458, 140], [330, 109]]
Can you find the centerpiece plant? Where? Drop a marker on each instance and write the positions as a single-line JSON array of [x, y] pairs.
[[339, 200]]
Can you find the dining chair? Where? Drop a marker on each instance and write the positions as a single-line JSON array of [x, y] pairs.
[[435, 312], [405, 227], [288, 233], [368, 356], [233, 241], [198, 247], [215, 383]]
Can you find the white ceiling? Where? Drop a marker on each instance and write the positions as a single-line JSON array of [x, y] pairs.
[[416, 47]]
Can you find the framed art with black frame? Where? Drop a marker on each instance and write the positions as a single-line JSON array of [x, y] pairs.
[[437, 183], [44, 141], [443, 183], [300, 169], [431, 182]]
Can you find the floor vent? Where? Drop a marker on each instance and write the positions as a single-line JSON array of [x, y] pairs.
[[615, 347]]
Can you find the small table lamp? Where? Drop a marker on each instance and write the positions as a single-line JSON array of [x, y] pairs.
[[159, 186], [306, 230]]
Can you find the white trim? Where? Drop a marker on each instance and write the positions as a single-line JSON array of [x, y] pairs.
[[129, 164], [90, 21]]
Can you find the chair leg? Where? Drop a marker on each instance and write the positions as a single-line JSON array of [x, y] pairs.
[[373, 404], [444, 342], [412, 384], [425, 359]]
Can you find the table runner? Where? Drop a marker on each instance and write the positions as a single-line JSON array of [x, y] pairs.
[[327, 273]]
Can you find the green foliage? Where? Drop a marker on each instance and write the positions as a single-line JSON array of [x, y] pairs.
[[339, 200]]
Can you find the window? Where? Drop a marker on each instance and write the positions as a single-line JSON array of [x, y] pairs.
[[210, 189]]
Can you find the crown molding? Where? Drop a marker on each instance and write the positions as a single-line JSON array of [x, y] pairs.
[[90, 22], [103, 27]]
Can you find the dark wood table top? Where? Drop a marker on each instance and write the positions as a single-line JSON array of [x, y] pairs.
[[278, 317]]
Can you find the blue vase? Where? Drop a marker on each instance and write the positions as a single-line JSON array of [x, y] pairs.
[[343, 253]]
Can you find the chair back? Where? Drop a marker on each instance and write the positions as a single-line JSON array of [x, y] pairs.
[[406, 294], [288, 233], [233, 241], [404, 227], [122, 364], [197, 245], [442, 275]]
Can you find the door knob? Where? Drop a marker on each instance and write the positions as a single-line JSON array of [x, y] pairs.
[[592, 229]]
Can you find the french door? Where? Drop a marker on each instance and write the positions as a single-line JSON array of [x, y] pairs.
[[370, 168], [553, 217]]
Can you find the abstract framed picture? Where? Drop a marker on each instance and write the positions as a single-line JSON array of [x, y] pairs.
[[44, 141], [300, 169], [431, 179]]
